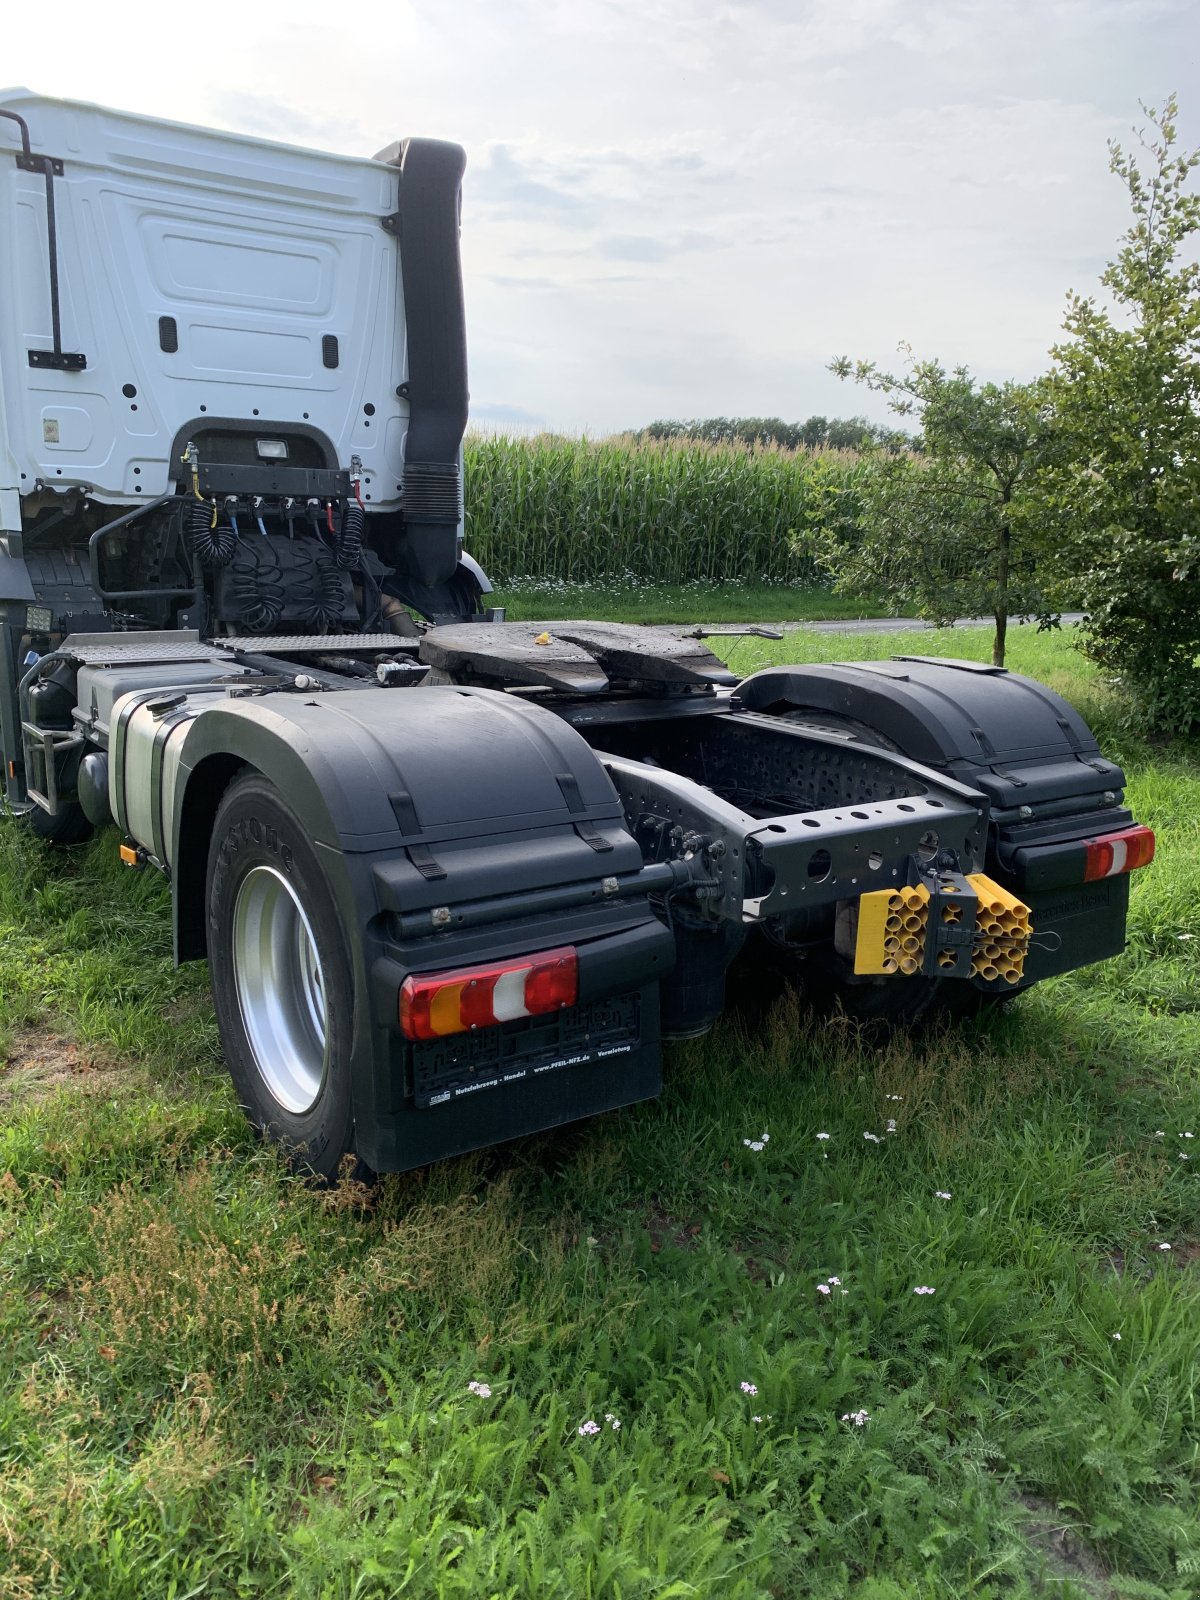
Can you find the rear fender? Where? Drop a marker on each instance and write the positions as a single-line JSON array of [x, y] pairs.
[[431, 798], [1012, 739]]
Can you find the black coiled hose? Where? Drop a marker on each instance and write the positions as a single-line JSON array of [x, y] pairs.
[[213, 547], [328, 597], [319, 594], [257, 587], [348, 553]]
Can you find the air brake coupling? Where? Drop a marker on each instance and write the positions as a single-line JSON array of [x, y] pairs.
[[944, 926]]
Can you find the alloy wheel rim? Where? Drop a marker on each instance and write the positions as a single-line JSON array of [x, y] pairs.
[[281, 989]]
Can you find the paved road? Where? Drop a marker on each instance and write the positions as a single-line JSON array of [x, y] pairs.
[[875, 624]]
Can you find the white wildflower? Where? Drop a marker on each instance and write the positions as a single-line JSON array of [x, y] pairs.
[[923, 1288], [942, 1194], [858, 1418]]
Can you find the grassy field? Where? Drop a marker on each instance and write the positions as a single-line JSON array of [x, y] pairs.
[[220, 1383], [623, 601]]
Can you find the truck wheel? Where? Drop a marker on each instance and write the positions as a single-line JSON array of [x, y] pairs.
[[282, 987], [68, 826]]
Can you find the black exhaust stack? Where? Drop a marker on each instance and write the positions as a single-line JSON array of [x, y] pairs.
[[426, 222]]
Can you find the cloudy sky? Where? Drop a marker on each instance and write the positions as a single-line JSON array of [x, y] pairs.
[[687, 209]]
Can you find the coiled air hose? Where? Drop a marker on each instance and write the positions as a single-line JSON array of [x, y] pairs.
[[257, 587], [349, 549], [212, 545]]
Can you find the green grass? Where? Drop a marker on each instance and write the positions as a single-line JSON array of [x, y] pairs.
[[218, 1382], [622, 601]]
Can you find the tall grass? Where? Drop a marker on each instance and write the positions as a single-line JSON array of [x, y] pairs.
[[673, 511]]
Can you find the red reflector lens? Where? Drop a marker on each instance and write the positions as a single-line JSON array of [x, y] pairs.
[[551, 986], [1115, 853], [435, 1004]]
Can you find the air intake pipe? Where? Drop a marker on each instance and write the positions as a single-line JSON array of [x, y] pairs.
[[426, 222]]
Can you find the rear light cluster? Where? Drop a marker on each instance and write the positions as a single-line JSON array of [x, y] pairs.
[[1114, 853], [435, 1004]]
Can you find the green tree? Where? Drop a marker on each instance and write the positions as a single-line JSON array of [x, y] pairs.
[[947, 530], [1123, 487]]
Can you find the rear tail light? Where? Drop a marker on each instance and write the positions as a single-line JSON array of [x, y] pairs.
[[435, 1004], [1114, 853]]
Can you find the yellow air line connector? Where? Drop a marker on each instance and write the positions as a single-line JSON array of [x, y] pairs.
[[1003, 930], [892, 925]]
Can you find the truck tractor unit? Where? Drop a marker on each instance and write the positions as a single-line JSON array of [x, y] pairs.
[[456, 878]]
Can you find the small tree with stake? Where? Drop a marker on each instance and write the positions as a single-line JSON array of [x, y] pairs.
[[1122, 491], [949, 532]]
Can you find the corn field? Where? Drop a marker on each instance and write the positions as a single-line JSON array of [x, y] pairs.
[[670, 512]]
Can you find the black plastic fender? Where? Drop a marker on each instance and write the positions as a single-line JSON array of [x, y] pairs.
[[413, 800], [1005, 735]]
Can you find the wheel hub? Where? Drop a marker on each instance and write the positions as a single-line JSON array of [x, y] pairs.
[[280, 989]]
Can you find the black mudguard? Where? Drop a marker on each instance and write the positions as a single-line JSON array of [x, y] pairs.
[[1006, 736], [441, 799]]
